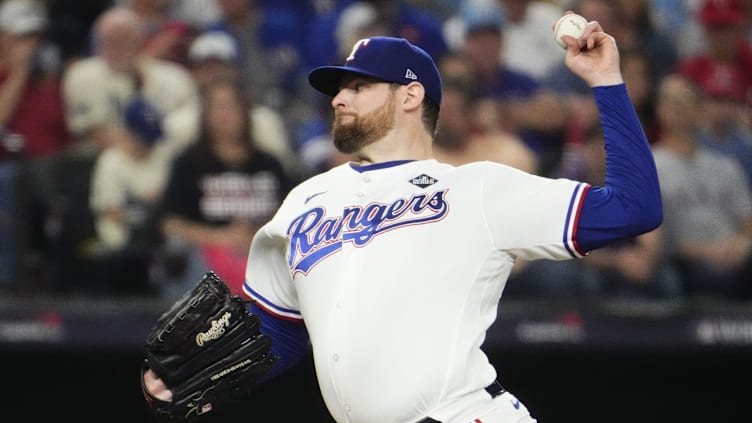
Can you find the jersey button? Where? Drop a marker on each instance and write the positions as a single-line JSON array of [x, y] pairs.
[[360, 194], [347, 407], [367, 178], [335, 357]]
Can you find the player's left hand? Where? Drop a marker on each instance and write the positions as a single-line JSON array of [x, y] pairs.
[[156, 387], [204, 354]]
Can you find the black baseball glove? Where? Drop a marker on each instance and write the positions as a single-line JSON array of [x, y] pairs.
[[209, 352]]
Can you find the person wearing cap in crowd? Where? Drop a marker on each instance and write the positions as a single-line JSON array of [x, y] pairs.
[[727, 50], [722, 122], [214, 55], [391, 267], [269, 37], [723, 73], [97, 88], [33, 130], [126, 186], [32, 118]]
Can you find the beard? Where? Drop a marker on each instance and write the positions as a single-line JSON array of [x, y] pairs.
[[364, 130]]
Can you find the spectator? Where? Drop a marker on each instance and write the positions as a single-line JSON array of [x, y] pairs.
[[728, 53], [166, 37], [461, 138], [214, 55], [521, 98], [721, 122], [527, 28], [126, 187], [97, 88], [399, 17], [32, 116], [706, 198], [676, 19], [96, 91], [220, 191], [269, 41], [33, 132], [198, 14], [635, 31], [637, 70]]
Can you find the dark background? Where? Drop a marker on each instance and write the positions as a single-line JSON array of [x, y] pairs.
[[557, 385]]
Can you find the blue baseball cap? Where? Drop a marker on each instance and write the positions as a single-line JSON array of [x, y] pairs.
[[389, 59], [144, 120]]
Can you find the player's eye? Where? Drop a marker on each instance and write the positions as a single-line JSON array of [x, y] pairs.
[[359, 86]]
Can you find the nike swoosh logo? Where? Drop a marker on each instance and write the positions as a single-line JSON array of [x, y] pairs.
[[516, 404], [310, 197]]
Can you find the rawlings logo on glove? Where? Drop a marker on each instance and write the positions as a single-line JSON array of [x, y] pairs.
[[216, 330]]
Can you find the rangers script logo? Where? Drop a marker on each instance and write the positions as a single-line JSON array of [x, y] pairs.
[[314, 236]]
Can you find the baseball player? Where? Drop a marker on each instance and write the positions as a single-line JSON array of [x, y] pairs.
[[391, 268]]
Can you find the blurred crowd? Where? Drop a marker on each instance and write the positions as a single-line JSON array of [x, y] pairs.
[[143, 142]]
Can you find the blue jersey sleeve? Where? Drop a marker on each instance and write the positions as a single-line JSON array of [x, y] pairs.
[[289, 339], [629, 203]]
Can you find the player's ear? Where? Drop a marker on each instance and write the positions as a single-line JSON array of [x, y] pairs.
[[415, 92]]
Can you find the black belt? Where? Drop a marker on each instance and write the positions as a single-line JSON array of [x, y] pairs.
[[495, 389]]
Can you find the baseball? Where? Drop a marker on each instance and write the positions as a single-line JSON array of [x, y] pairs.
[[571, 24]]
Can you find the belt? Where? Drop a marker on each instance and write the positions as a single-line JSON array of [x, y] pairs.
[[495, 389]]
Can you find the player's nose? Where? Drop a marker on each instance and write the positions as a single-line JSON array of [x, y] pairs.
[[340, 100]]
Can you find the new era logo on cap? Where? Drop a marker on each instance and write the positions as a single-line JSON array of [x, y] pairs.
[[390, 59]]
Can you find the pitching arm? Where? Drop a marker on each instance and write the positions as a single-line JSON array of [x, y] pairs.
[[629, 203]]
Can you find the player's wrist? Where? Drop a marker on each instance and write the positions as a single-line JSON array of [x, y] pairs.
[[607, 79]]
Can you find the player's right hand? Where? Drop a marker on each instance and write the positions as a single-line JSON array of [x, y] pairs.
[[156, 386], [597, 62]]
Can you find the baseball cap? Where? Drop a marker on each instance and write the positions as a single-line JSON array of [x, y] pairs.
[[390, 59], [22, 16], [142, 118], [724, 82], [478, 16], [213, 45], [721, 12]]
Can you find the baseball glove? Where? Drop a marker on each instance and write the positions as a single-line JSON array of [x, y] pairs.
[[209, 352]]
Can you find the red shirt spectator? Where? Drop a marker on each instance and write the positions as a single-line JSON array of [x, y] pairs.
[[31, 113], [728, 56]]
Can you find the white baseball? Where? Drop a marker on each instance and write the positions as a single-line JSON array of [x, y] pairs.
[[571, 24]]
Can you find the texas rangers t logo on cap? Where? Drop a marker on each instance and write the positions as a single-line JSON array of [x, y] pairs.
[[355, 48]]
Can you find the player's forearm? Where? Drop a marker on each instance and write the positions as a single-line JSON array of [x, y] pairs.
[[289, 339], [630, 167], [630, 202]]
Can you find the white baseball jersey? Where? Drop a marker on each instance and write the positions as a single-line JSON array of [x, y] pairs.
[[397, 269]]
